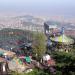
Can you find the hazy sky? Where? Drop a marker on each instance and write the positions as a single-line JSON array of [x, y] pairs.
[[45, 7]]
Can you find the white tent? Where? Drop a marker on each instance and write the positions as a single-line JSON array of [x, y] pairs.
[[46, 57]]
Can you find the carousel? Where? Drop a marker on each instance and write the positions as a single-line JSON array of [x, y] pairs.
[[63, 42]]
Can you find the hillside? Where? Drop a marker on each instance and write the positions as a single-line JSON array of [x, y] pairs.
[[11, 38]]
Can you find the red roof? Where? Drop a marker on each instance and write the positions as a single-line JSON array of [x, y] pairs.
[[51, 62], [2, 59]]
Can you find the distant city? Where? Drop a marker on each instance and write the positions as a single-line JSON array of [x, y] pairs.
[[36, 23]]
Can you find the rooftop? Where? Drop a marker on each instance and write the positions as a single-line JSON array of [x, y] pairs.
[[52, 23]]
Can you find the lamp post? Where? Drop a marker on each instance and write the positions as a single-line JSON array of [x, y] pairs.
[[62, 34]]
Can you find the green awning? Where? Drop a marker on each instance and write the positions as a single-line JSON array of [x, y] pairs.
[[1, 52], [28, 59]]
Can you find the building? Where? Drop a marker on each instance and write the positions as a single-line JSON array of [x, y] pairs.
[[50, 27]]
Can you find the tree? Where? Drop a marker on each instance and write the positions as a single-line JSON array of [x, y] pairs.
[[39, 45], [65, 62]]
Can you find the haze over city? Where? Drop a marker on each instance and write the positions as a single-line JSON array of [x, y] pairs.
[[39, 7]]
